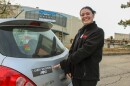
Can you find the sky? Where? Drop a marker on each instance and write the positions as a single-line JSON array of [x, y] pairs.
[[108, 12]]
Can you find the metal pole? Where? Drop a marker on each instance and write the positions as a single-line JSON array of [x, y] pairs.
[[62, 28]]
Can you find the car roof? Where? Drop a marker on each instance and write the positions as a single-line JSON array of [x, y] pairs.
[[25, 22]]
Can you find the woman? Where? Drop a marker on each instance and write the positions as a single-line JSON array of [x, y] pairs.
[[85, 53]]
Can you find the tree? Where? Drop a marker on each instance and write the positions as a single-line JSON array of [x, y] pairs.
[[2, 6], [7, 10], [125, 23]]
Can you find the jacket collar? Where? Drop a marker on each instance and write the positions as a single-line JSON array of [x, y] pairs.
[[90, 26]]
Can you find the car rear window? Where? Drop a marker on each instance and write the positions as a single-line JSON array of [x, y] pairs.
[[29, 42]]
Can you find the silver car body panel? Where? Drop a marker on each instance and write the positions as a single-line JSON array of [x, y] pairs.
[[1, 58], [38, 70], [26, 65]]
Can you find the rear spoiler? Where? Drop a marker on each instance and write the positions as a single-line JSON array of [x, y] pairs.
[[25, 22]]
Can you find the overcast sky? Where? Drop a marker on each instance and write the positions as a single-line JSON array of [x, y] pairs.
[[107, 17]]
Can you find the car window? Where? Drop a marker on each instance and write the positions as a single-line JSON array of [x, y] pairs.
[[29, 42]]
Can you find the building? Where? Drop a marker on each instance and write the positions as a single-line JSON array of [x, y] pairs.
[[119, 40], [121, 36], [64, 26]]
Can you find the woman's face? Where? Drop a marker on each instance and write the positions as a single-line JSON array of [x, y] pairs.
[[86, 16]]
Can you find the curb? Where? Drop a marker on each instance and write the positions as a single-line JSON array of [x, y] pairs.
[[111, 54]]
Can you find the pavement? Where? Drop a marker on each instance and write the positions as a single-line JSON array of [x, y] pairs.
[[115, 71]]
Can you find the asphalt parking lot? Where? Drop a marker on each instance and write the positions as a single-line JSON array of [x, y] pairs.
[[115, 71]]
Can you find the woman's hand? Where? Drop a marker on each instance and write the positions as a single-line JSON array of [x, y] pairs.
[[56, 66], [69, 76]]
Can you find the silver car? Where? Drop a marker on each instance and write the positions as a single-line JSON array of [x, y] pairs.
[[28, 51]]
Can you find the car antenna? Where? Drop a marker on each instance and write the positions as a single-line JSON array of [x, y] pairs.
[[19, 13]]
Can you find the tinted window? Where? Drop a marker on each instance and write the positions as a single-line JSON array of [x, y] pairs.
[[29, 42]]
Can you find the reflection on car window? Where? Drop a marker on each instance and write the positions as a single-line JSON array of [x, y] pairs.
[[37, 44]]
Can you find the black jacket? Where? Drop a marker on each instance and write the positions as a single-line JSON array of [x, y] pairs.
[[85, 53]]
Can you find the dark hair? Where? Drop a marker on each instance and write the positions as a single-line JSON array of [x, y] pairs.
[[87, 7]]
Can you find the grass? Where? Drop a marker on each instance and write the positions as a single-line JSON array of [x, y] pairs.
[[120, 50], [116, 50]]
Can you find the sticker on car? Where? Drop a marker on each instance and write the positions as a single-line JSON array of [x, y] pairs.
[[41, 71]]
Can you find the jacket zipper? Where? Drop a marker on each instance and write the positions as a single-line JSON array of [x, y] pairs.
[[84, 71]]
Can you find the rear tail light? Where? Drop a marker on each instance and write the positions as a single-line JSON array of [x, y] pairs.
[[35, 23], [10, 77]]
